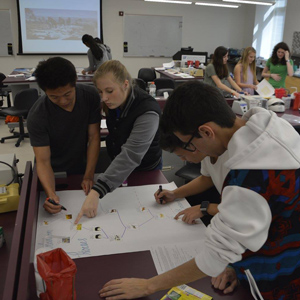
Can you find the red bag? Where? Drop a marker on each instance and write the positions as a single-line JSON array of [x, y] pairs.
[[58, 271]]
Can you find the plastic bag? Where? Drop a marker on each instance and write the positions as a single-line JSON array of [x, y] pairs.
[[58, 271], [11, 119]]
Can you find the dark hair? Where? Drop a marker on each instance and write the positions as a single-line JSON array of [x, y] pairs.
[[93, 44], [55, 72], [217, 61], [193, 104], [169, 141], [274, 58]]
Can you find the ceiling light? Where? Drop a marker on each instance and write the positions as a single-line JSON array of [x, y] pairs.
[[170, 1], [250, 2], [216, 4]]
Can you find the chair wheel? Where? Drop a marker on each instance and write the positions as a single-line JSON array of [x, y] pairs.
[[11, 130], [2, 141], [17, 144]]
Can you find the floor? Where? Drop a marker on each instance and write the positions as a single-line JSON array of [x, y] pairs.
[[24, 153]]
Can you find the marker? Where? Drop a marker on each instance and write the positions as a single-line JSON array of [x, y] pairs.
[[160, 190], [54, 203]]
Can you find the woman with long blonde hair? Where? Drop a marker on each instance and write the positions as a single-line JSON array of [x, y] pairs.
[[245, 71]]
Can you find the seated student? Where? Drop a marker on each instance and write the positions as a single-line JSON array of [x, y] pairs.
[[98, 53], [64, 127], [245, 71], [257, 227], [132, 118], [212, 175], [280, 65], [217, 74]]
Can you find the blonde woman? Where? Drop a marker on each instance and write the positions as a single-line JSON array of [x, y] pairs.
[[245, 71], [132, 118]]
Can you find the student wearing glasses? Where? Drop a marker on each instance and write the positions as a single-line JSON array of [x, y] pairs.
[[208, 184], [217, 74], [256, 231]]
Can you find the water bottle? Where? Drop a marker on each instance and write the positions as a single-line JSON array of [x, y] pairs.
[[152, 89]]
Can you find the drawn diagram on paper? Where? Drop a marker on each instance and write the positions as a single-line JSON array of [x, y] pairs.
[[127, 220]]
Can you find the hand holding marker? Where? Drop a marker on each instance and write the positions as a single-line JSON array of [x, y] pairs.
[[54, 203], [160, 190]]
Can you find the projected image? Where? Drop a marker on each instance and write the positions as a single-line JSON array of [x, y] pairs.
[[54, 24]]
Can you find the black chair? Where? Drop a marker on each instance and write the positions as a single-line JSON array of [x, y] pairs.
[[147, 74], [23, 102], [4, 91], [140, 83], [189, 172], [160, 92], [164, 83]]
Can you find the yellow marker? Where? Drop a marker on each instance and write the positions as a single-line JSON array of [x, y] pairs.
[[78, 227], [68, 217]]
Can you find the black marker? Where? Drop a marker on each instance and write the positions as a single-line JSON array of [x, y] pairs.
[[54, 203], [160, 190]]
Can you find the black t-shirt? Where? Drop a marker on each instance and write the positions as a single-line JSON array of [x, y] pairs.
[[65, 132]]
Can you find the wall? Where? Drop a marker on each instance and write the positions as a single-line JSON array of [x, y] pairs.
[[204, 28], [292, 21]]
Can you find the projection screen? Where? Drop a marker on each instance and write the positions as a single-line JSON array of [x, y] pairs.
[[56, 26]]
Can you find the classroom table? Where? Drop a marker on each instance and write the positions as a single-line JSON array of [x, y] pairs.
[[178, 80], [93, 272], [17, 84]]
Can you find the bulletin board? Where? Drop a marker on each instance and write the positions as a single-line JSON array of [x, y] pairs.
[[5, 31], [152, 35]]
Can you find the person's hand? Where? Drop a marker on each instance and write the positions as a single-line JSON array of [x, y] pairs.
[[236, 94], [51, 208], [83, 72], [165, 195], [253, 86], [245, 93], [87, 184], [276, 77], [89, 207], [125, 288], [287, 55], [227, 281], [190, 214]]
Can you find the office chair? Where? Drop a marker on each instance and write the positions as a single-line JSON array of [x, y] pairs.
[[4, 91], [189, 172], [164, 83], [140, 83], [23, 102], [147, 74], [160, 92]]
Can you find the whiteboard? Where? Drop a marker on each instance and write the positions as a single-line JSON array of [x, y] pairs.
[[5, 31], [151, 35]]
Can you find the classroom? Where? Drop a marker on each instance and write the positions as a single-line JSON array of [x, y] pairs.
[[203, 28]]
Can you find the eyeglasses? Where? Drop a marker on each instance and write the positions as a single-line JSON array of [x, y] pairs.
[[189, 146]]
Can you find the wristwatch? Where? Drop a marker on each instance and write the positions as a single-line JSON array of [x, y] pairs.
[[203, 207]]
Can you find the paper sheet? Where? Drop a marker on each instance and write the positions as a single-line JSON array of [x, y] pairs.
[[265, 89], [169, 65], [170, 256], [128, 220]]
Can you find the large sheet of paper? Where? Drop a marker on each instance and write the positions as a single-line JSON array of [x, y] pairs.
[[128, 220]]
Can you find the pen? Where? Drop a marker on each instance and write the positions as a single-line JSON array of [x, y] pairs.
[[54, 203], [160, 190]]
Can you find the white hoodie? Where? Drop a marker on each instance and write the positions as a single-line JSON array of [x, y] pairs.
[[266, 142]]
